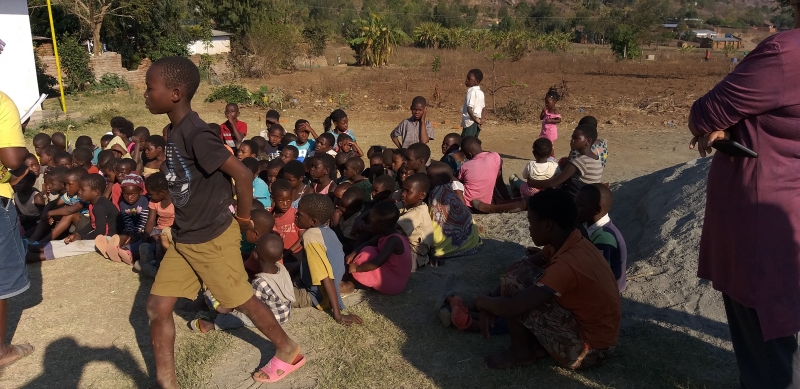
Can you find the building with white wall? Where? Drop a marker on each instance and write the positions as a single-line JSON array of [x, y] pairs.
[[17, 66], [220, 43]]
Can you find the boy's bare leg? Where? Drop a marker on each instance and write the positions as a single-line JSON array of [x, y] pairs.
[[63, 225], [285, 348], [515, 206], [525, 350], [162, 334]]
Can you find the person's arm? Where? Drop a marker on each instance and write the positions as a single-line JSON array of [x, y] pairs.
[[393, 246], [460, 195], [397, 136], [568, 171], [64, 211], [237, 136], [244, 189], [144, 217], [333, 296], [511, 307], [473, 117], [151, 222], [542, 115], [358, 153], [373, 241], [553, 120], [137, 154], [423, 128], [38, 201]]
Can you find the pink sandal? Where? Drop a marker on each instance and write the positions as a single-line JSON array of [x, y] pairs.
[[275, 365], [101, 244], [459, 314], [126, 256], [113, 253]]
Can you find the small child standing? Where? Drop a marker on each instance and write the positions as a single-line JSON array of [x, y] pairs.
[[474, 103], [304, 143], [542, 168], [384, 262], [272, 285], [409, 131], [233, 130], [322, 267], [415, 219], [550, 117], [593, 202]]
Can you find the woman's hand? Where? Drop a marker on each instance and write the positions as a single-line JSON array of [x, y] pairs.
[[703, 142]]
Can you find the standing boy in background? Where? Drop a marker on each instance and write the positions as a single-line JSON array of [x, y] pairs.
[[233, 130], [409, 131], [471, 114]]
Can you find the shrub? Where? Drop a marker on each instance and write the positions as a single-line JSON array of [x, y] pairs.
[[428, 35], [206, 61], [624, 42], [75, 62], [267, 48], [517, 111], [110, 82], [231, 93], [373, 40]]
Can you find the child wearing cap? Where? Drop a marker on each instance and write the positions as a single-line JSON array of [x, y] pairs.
[[134, 210]]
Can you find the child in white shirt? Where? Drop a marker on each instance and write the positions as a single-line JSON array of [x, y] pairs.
[[542, 168]]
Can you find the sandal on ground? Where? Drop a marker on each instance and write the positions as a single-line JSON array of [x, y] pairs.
[[126, 256], [18, 351], [276, 370], [194, 325], [101, 244], [113, 253], [446, 291], [459, 314]]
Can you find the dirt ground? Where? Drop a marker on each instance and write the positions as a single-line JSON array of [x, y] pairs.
[[86, 315]]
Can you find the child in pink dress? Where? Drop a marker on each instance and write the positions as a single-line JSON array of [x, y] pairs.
[[550, 118], [384, 262]]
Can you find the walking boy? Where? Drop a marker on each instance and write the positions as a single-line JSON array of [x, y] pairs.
[[471, 114], [197, 166]]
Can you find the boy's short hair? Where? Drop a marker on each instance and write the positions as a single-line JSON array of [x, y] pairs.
[[269, 248], [42, 139], [263, 221], [384, 181], [329, 138], [57, 173], [419, 100], [295, 152], [253, 146], [387, 156], [588, 131], [344, 138], [78, 172], [58, 138], [231, 105], [31, 156], [276, 127], [104, 157], [127, 162], [95, 181], [295, 168], [62, 155], [251, 164], [542, 148], [341, 159], [276, 163], [179, 72], [477, 73], [387, 212], [420, 151], [263, 164], [327, 161], [257, 205], [356, 163], [356, 195], [456, 137], [106, 138], [273, 114], [374, 150], [555, 204], [260, 141], [51, 150], [281, 185], [288, 138], [156, 182], [317, 206], [84, 141], [124, 126], [142, 132], [419, 180], [157, 141], [83, 154]]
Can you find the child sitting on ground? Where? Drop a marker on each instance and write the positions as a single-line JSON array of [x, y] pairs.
[[289, 153], [140, 135], [352, 172], [82, 157], [121, 169], [384, 262], [272, 285], [454, 233], [295, 173], [66, 211], [60, 140], [415, 219], [325, 144], [233, 130], [584, 169], [593, 202], [272, 171], [86, 141], [284, 214], [154, 147], [348, 146], [247, 149], [134, 211], [410, 130], [542, 168], [416, 157], [346, 214], [123, 130], [260, 188], [29, 202], [63, 158], [288, 138], [32, 163], [322, 267], [305, 144], [321, 167], [40, 141], [376, 168], [47, 156], [451, 152], [275, 134], [103, 223], [161, 215], [263, 224]]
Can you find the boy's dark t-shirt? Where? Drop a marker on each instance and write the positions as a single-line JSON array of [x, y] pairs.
[[199, 190], [105, 220], [273, 152]]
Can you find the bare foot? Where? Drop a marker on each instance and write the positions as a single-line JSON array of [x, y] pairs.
[[508, 359]]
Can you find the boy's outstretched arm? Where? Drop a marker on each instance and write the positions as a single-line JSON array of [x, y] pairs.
[[333, 296], [244, 190]]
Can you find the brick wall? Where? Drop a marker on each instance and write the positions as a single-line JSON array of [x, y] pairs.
[[108, 62]]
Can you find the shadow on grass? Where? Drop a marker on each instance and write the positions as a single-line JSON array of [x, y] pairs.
[[141, 323], [648, 355], [28, 299], [65, 356]]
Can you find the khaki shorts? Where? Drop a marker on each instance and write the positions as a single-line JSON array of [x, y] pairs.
[[216, 263]]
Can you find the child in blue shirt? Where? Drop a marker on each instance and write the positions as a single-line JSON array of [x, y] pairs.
[[260, 188]]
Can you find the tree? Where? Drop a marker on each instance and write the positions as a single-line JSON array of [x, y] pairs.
[[75, 61], [373, 40], [625, 42], [92, 13]]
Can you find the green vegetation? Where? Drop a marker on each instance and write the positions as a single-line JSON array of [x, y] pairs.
[[238, 94], [75, 64]]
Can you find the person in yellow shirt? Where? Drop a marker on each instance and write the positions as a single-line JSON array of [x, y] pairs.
[[13, 272]]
